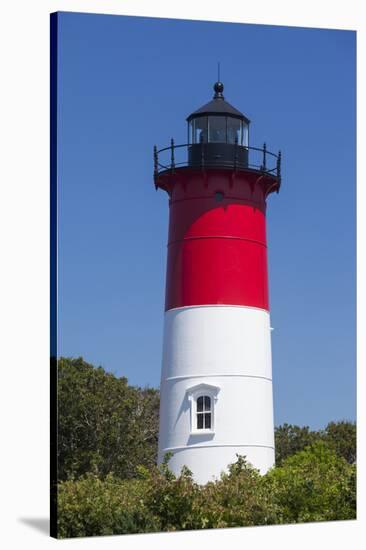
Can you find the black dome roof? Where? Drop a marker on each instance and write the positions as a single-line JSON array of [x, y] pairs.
[[218, 106]]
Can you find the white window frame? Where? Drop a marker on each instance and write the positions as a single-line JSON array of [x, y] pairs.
[[194, 393]]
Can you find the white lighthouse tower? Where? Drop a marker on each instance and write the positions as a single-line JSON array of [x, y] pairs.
[[216, 381]]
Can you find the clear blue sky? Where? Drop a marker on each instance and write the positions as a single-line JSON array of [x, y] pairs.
[[126, 83]]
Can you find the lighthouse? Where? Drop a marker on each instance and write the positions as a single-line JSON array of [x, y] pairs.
[[216, 379]]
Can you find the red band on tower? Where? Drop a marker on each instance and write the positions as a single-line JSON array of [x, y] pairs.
[[217, 251]]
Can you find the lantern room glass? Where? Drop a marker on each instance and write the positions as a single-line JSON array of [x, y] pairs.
[[245, 134], [234, 131], [218, 129], [198, 130]]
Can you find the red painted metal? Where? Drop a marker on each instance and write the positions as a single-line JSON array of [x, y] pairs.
[[217, 252]]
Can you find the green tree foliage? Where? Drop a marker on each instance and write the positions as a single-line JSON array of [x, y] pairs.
[[290, 439], [175, 500], [91, 506], [238, 498], [315, 484], [341, 436], [104, 425], [312, 485]]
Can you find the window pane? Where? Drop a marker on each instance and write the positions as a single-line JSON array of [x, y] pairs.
[[207, 403], [191, 132], [200, 404], [245, 134], [240, 136], [199, 421], [217, 129], [208, 421], [233, 130], [200, 130]]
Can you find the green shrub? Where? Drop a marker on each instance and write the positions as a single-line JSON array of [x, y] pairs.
[[239, 498], [315, 484], [312, 485], [91, 506], [175, 500]]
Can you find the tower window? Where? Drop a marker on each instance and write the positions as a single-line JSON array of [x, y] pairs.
[[204, 412], [203, 403]]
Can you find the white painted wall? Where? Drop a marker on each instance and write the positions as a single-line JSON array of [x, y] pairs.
[[229, 348]]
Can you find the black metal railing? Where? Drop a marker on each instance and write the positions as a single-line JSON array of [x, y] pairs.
[[257, 159]]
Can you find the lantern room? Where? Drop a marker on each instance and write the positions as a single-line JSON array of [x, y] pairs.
[[218, 132]]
